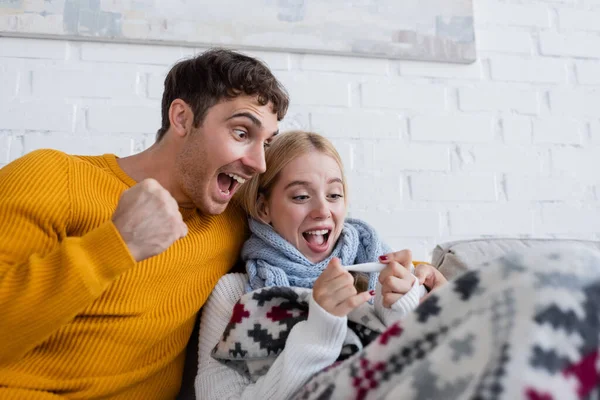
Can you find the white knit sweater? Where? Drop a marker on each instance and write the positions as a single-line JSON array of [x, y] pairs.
[[312, 345]]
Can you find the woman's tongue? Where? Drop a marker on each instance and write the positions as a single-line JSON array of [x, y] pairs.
[[224, 182], [315, 240]]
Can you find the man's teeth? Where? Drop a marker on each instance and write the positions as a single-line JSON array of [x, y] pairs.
[[226, 192], [237, 178], [321, 232]]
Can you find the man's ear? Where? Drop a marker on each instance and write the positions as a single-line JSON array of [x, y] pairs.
[[262, 207], [181, 117]]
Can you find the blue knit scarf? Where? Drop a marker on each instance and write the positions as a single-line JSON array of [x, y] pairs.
[[273, 261]]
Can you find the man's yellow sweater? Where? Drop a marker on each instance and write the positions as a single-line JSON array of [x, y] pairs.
[[78, 316]]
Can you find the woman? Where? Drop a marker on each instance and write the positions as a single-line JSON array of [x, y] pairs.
[[301, 239]]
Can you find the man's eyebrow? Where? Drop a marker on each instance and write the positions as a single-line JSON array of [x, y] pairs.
[[334, 180], [250, 116]]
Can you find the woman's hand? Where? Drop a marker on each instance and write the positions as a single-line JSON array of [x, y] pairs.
[[430, 277], [396, 280], [427, 274], [334, 290]]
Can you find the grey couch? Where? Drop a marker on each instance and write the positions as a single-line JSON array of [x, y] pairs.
[[453, 258]]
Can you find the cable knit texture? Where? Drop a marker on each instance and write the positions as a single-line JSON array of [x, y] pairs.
[[78, 316], [273, 261]]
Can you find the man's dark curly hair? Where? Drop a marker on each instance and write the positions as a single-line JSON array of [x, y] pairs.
[[218, 74]]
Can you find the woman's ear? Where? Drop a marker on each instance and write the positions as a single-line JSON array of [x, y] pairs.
[[262, 207]]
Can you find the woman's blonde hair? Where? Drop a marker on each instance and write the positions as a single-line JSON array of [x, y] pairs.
[[284, 149]]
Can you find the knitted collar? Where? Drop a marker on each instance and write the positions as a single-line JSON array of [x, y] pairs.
[[273, 261]]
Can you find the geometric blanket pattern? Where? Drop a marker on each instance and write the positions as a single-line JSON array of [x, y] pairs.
[[524, 326], [261, 323]]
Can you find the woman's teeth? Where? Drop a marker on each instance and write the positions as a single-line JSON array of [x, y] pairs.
[[237, 178], [321, 232]]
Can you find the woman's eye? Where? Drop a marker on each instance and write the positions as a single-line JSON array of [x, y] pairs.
[[240, 133], [300, 198], [336, 196]]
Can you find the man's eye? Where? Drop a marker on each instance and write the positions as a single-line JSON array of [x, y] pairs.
[[300, 198], [336, 196], [240, 133], [267, 145]]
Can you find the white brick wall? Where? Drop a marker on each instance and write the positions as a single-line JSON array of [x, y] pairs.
[[361, 125], [557, 130], [334, 90], [520, 69], [495, 13], [541, 189], [126, 119], [5, 149], [516, 129], [575, 102], [121, 146], [506, 146], [9, 83], [37, 115], [581, 164], [402, 96], [595, 132], [59, 83], [588, 72], [453, 187], [499, 98], [496, 220], [472, 128], [568, 219], [578, 20], [504, 40], [584, 45]]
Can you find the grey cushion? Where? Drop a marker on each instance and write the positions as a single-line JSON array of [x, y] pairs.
[[453, 258]]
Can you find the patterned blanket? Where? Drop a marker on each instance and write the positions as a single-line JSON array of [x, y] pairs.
[[526, 326], [262, 321]]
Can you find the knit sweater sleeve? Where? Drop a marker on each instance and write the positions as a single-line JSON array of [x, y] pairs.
[[402, 306], [312, 345], [47, 277]]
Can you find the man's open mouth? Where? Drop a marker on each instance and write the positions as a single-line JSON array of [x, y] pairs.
[[229, 182]]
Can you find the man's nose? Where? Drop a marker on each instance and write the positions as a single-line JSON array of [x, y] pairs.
[[255, 159]]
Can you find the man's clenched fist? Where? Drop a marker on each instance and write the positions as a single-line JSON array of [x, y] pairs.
[[148, 219]]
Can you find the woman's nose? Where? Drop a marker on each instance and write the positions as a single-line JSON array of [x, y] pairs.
[[321, 210]]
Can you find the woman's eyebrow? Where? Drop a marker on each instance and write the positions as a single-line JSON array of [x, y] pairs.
[[296, 183]]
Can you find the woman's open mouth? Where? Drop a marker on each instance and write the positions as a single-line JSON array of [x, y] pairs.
[[317, 240], [228, 183]]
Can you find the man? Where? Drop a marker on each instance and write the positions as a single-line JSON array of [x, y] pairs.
[[104, 262]]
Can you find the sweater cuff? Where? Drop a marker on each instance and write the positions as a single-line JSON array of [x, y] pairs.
[[327, 328], [402, 306], [410, 300], [108, 254]]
